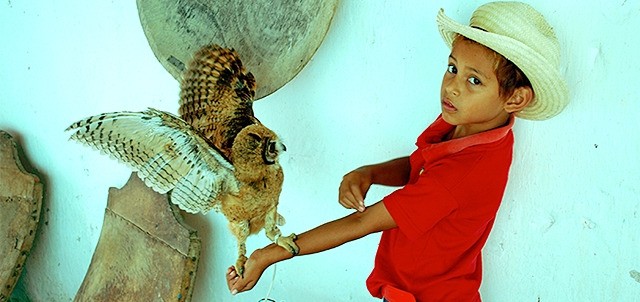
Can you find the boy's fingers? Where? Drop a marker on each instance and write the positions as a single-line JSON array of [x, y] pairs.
[[248, 286], [349, 201], [350, 196], [238, 287], [231, 273], [358, 199], [344, 198], [344, 204], [357, 193], [232, 280], [234, 285]]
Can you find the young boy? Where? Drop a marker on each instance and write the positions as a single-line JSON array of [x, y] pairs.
[[505, 64]]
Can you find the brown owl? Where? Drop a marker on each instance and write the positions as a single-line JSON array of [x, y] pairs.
[[216, 156]]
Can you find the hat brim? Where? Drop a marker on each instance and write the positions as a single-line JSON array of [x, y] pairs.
[[550, 89]]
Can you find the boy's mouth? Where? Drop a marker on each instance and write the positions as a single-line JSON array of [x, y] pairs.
[[447, 105]]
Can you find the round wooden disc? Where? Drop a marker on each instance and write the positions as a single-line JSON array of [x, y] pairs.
[[275, 39]]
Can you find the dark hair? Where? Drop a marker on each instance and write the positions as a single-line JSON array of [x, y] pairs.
[[509, 75]]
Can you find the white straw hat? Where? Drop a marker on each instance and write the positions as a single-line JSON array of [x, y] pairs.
[[522, 35]]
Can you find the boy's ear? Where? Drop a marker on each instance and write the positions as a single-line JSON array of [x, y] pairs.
[[520, 98]]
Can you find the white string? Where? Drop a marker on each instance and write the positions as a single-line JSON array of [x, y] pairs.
[[273, 279]]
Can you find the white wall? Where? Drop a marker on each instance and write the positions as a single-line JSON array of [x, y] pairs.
[[569, 224]]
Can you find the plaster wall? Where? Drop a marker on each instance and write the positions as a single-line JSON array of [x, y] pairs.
[[568, 227]]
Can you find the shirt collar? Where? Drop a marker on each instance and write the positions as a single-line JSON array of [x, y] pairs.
[[439, 129]]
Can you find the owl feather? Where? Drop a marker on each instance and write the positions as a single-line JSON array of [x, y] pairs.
[[165, 151], [216, 95], [217, 155]]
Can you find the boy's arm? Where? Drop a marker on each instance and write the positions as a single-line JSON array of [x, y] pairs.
[[327, 236], [355, 184], [391, 173]]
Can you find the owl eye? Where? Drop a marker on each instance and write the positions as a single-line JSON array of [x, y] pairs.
[[255, 136], [272, 147], [269, 153]]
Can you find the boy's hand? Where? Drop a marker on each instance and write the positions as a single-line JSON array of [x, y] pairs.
[[354, 187], [252, 273]]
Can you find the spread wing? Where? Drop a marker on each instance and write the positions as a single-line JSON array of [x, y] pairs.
[[216, 95], [165, 151]]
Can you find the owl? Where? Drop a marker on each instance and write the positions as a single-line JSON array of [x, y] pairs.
[[216, 155]]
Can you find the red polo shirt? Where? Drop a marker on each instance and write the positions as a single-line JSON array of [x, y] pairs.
[[444, 215]]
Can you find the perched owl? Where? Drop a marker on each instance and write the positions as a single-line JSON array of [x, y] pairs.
[[216, 156]]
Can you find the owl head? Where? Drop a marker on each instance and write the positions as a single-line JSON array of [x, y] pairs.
[[256, 147]]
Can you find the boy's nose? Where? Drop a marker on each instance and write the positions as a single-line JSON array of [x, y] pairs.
[[452, 88]]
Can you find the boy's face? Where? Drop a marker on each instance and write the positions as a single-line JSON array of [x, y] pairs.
[[470, 97]]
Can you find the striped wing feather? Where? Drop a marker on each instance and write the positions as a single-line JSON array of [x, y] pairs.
[[167, 153], [216, 95]]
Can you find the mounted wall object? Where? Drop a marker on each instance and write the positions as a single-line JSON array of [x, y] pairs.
[[276, 39], [20, 203], [145, 251]]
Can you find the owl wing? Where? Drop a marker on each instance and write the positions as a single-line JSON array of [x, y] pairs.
[[167, 153], [216, 95]]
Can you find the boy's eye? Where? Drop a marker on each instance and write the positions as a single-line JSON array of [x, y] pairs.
[[452, 69], [474, 81]]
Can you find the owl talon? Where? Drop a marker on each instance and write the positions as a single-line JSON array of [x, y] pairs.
[[280, 221], [240, 265], [288, 243]]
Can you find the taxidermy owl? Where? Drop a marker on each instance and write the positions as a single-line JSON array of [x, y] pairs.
[[216, 156]]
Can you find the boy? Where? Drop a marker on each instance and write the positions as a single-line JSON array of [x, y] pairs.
[[505, 64]]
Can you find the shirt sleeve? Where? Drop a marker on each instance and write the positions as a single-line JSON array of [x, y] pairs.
[[417, 207]]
